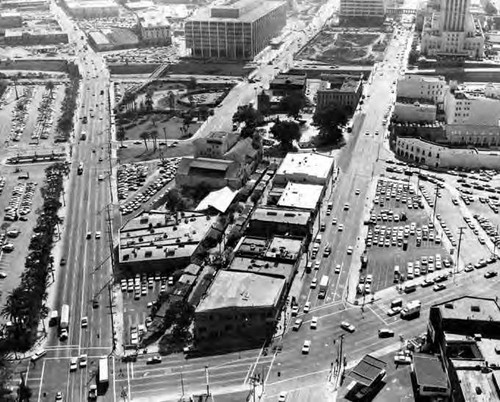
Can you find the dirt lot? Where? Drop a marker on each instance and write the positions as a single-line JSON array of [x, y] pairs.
[[362, 47]]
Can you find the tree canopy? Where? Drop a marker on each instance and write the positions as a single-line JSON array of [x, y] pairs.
[[330, 121], [293, 103], [250, 116], [286, 132]]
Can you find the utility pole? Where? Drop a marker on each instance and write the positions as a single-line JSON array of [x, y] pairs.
[[435, 203], [460, 233], [208, 381], [182, 385]]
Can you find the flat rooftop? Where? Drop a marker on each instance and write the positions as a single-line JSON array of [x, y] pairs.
[[231, 289], [367, 370], [293, 217], [429, 371], [251, 14], [276, 248], [471, 380], [262, 267], [470, 308], [159, 235], [306, 164], [289, 79], [296, 195]]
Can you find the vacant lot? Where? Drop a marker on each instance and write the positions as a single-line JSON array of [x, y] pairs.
[[346, 47]]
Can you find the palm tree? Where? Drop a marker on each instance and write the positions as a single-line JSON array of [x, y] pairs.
[[171, 100], [49, 86], [154, 136], [145, 137], [120, 134]]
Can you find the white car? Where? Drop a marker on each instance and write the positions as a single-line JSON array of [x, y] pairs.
[[85, 322], [83, 360], [346, 206], [98, 234], [282, 397], [349, 250], [307, 307], [341, 227], [337, 269], [307, 347], [73, 365], [314, 323], [347, 326], [314, 283]]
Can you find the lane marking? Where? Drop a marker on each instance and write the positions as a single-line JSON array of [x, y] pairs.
[[41, 377]]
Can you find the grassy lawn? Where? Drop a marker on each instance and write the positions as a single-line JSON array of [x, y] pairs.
[[169, 128], [138, 153]]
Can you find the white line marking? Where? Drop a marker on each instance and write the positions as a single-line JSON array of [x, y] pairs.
[[41, 377]]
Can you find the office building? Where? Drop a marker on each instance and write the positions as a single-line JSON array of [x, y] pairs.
[[362, 8], [93, 9], [240, 309], [343, 90], [422, 87], [268, 222], [240, 30], [154, 28], [452, 32], [305, 168], [161, 242]]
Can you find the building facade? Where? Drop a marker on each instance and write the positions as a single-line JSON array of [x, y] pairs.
[[93, 9], [237, 31], [215, 144], [431, 88], [414, 112], [362, 8], [342, 90], [453, 32], [464, 107], [438, 155], [210, 173], [155, 29], [288, 84], [19, 37]]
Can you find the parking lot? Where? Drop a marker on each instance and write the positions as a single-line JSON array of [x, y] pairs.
[[133, 177], [139, 297], [402, 234]]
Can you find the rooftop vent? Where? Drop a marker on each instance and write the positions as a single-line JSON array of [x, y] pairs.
[[148, 253], [448, 305], [475, 309]]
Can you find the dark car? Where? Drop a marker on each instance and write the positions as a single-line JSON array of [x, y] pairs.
[[490, 274]]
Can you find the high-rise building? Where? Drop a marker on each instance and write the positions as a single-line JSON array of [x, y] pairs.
[[239, 30], [362, 8], [452, 32]]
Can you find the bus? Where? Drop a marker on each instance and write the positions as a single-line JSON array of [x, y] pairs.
[[64, 323], [103, 379]]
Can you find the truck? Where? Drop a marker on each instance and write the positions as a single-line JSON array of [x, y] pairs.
[[54, 318], [323, 284], [64, 322], [103, 379], [411, 310]]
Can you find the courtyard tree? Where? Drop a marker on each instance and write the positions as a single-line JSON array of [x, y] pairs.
[[49, 86], [330, 120], [293, 103], [286, 132], [145, 137], [250, 116], [148, 101], [171, 100], [192, 83], [153, 134]]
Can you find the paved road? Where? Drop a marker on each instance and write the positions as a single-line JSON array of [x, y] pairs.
[[77, 283]]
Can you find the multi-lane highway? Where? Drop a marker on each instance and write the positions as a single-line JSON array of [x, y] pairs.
[[78, 282]]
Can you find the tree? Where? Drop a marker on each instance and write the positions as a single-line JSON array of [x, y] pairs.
[[286, 132], [413, 57], [250, 116], [49, 86], [120, 134], [154, 136], [171, 100], [148, 102], [145, 137], [330, 121], [192, 83], [293, 103], [173, 200]]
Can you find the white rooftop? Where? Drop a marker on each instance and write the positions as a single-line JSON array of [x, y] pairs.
[[306, 164], [298, 195]]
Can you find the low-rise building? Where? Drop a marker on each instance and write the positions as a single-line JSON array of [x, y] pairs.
[[430, 88], [344, 90], [268, 222], [465, 332], [160, 241], [365, 378], [277, 256], [288, 84], [240, 309], [25, 4], [362, 8], [302, 196], [99, 41], [414, 112], [210, 173], [215, 144], [93, 9], [305, 168], [10, 19], [32, 36], [445, 156], [430, 377], [155, 28]]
